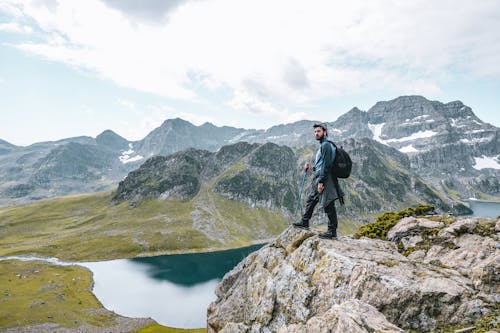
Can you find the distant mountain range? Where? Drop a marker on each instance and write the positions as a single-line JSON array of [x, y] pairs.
[[443, 150]]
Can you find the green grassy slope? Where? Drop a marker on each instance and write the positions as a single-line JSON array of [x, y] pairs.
[[34, 293], [91, 227], [38, 293]]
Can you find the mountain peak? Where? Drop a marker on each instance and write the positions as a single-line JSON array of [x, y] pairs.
[[176, 122], [6, 147], [6, 144], [208, 124], [112, 140], [399, 102]]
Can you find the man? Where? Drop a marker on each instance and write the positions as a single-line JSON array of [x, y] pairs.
[[324, 185]]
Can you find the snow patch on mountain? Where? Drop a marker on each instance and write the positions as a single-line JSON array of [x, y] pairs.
[[408, 149], [275, 137], [376, 129], [476, 140], [415, 136], [456, 123], [486, 162], [237, 137], [125, 156], [418, 120]]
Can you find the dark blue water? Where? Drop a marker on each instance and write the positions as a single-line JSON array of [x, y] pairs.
[[485, 209], [174, 290]]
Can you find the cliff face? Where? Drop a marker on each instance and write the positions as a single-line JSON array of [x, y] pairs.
[[446, 144], [429, 273]]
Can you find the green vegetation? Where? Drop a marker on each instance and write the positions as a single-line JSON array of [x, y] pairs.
[[386, 221], [485, 228], [163, 329], [91, 227], [488, 323], [35, 293]]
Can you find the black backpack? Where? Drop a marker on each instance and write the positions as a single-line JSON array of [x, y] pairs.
[[342, 164]]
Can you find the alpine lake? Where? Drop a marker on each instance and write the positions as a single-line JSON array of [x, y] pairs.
[[176, 290]]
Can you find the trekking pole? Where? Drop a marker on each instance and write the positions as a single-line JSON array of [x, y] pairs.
[[300, 194]]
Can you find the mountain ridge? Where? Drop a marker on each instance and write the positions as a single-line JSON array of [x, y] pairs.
[[447, 145]]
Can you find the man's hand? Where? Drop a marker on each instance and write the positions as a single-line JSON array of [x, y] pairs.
[[321, 187], [307, 167]]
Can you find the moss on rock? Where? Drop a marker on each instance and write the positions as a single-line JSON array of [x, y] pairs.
[[386, 221]]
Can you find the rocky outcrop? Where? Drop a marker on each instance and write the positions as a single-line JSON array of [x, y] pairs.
[[301, 283]]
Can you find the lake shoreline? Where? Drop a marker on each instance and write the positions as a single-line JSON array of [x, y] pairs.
[[58, 262], [482, 200]]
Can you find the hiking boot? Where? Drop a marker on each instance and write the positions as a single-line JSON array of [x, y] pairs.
[[330, 234], [301, 224]]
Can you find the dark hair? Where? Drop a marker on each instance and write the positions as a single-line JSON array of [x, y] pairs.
[[322, 125]]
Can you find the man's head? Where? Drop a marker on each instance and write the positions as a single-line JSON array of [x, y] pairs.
[[320, 130]]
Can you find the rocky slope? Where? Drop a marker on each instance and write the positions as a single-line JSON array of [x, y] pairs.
[[260, 175], [446, 143], [431, 273], [69, 166], [270, 176]]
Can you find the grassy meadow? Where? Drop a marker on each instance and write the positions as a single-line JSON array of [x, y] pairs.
[[90, 227]]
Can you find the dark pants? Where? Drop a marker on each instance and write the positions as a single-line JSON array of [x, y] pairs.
[[312, 201]]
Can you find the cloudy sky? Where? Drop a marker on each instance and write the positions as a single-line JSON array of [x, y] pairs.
[[70, 68]]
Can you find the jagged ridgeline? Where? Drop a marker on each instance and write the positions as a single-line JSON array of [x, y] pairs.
[[445, 144], [270, 176]]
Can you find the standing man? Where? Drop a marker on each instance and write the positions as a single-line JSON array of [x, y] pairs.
[[325, 188]]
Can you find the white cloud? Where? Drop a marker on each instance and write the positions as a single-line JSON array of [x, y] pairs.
[[272, 56], [15, 27], [126, 103], [293, 117], [10, 8], [151, 116], [244, 101]]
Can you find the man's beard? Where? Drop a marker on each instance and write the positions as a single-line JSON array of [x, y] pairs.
[[321, 137]]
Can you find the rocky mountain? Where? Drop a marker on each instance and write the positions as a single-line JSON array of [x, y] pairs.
[[69, 166], [446, 144], [6, 147], [431, 274], [258, 174], [177, 134], [270, 176], [112, 141]]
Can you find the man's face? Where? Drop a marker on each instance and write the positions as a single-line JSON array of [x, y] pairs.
[[319, 133]]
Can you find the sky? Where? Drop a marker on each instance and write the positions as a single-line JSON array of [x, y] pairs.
[[70, 68]]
